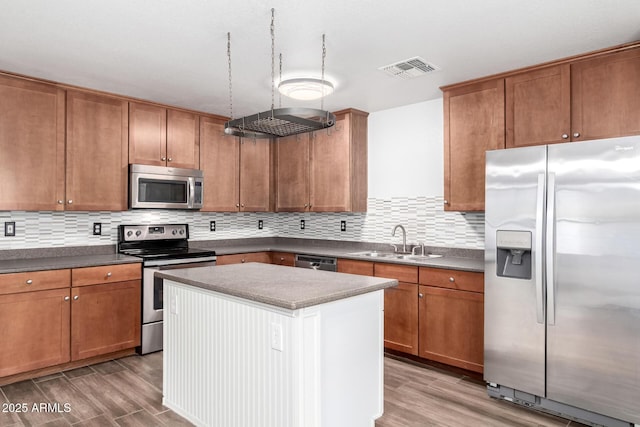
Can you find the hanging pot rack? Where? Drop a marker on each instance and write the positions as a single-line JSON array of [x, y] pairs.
[[277, 122]]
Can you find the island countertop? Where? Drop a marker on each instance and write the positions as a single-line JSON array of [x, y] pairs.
[[279, 286]]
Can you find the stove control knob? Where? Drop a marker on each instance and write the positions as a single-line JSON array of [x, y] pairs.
[[129, 233], [174, 232], [181, 231], [138, 233]]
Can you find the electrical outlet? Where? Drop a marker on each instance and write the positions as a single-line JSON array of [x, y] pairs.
[[260, 224], [276, 336], [343, 225], [97, 228], [212, 226], [10, 229], [302, 224]]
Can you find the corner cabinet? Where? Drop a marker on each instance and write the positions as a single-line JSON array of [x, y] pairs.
[[163, 137], [474, 119], [325, 171], [32, 121], [97, 152]]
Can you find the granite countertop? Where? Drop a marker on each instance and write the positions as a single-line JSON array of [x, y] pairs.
[[452, 259], [63, 262], [279, 286]]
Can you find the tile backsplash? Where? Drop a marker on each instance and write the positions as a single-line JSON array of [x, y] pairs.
[[423, 218]]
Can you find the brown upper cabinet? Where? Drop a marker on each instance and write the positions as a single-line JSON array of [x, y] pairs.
[[163, 137], [237, 172], [97, 149], [325, 171], [473, 124], [31, 145]]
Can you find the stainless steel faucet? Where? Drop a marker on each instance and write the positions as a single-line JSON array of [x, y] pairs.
[[404, 236]]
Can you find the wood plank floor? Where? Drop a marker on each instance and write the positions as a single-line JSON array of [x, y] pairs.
[[128, 392]]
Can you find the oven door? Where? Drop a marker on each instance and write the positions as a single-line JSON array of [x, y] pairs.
[[152, 298]]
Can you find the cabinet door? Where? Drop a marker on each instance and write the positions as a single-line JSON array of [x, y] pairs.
[[35, 330], [606, 96], [255, 175], [147, 134], [401, 318], [31, 145], [183, 140], [538, 107], [97, 152], [105, 318], [330, 168], [452, 327], [292, 173], [220, 163], [473, 124]]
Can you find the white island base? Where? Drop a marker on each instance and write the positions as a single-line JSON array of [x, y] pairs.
[[233, 362]]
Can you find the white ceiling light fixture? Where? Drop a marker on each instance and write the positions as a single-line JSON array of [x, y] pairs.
[[305, 88]]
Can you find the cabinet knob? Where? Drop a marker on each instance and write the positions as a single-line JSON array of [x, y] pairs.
[[70, 201], [281, 258], [565, 136], [60, 202], [576, 135], [163, 159], [306, 205], [237, 205], [75, 297], [451, 279], [29, 281], [169, 159], [242, 205], [420, 295], [446, 202], [109, 274], [242, 260], [66, 298]]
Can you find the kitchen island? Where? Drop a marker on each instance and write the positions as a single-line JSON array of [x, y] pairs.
[[258, 344]]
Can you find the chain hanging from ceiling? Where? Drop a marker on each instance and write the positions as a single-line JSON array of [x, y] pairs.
[[278, 122]]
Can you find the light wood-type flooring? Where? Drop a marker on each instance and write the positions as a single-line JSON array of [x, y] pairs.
[[128, 392]]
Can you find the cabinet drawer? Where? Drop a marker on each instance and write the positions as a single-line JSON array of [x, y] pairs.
[[452, 279], [105, 273], [401, 273], [363, 268], [283, 258], [263, 257], [34, 281]]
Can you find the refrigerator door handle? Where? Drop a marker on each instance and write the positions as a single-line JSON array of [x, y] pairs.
[[550, 250], [538, 250]]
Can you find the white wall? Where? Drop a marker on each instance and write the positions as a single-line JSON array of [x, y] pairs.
[[406, 151]]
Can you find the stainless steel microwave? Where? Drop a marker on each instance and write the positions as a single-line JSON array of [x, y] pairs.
[[164, 188]]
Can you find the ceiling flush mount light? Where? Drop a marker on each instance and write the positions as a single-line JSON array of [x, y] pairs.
[[305, 89], [278, 122]]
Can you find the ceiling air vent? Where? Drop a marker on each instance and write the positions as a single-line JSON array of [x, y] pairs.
[[409, 68]]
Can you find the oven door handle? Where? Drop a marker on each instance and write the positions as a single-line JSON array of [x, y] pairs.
[[182, 262]]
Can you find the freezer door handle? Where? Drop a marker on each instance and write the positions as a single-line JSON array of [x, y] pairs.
[[538, 250], [550, 250]]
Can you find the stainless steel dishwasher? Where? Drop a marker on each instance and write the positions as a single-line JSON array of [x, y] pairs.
[[316, 262]]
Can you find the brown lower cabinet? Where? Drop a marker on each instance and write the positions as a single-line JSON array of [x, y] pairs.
[[283, 258], [44, 321], [434, 313], [263, 257]]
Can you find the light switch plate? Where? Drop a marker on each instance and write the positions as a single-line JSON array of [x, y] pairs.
[[10, 229]]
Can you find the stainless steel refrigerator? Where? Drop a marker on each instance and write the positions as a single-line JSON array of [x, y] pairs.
[[562, 279]]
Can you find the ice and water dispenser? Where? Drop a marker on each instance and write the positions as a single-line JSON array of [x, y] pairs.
[[514, 254]]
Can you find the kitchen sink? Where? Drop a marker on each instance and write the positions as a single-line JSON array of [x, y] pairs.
[[395, 255]]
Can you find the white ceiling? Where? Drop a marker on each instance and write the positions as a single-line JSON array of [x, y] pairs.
[[174, 51]]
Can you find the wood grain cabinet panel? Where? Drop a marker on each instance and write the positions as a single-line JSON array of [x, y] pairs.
[[34, 281], [283, 258], [605, 95], [163, 137], [263, 257], [363, 268], [452, 279], [35, 330], [97, 152], [292, 173], [452, 327], [538, 107], [220, 161], [32, 132], [474, 119], [105, 274], [105, 318], [256, 175]]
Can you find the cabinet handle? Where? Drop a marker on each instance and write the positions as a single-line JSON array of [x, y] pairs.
[[306, 205], [446, 202], [576, 135], [281, 258], [60, 202], [163, 159], [242, 260], [169, 159], [420, 295], [242, 205], [70, 201], [451, 279], [109, 274], [29, 281], [237, 205], [565, 136], [66, 298], [75, 297]]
